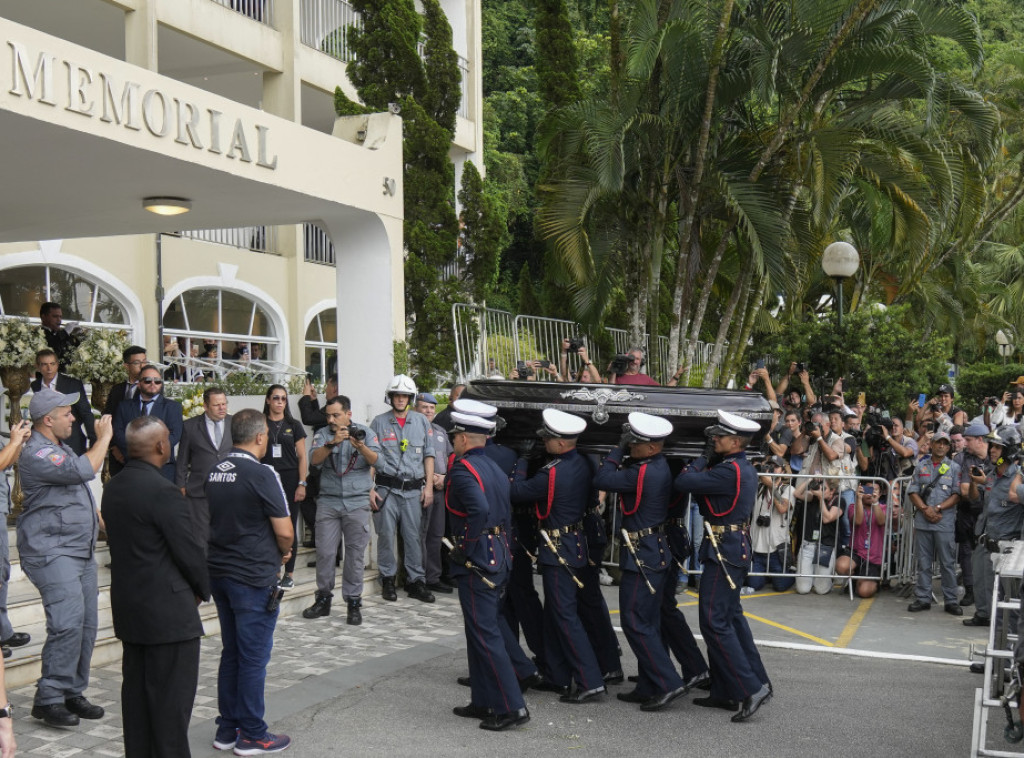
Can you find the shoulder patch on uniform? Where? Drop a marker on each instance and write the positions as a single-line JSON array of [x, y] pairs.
[[56, 458], [551, 464], [44, 452], [225, 466]]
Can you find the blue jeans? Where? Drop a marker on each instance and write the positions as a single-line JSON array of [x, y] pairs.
[[769, 562], [247, 631]]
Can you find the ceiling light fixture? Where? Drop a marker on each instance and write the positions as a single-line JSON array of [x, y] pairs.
[[167, 206]]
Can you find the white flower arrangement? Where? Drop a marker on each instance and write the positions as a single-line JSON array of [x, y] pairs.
[[19, 342], [99, 356], [191, 398]]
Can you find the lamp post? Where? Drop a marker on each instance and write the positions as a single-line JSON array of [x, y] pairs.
[[1005, 346], [840, 261]]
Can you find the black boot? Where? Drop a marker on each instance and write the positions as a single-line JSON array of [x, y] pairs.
[[388, 592], [418, 591], [355, 617], [321, 606]]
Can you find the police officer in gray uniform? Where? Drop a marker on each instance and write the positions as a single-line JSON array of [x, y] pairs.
[[57, 543], [934, 492], [432, 529], [343, 452], [403, 488]]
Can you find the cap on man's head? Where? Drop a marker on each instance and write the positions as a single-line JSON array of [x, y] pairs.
[[976, 430], [731, 425], [946, 389], [469, 407], [647, 428], [1018, 380], [426, 397], [44, 401], [561, 424], [941, 436], [471, 424]]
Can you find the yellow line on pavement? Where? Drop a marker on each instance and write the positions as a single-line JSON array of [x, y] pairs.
[[791, 630], [854, 623]]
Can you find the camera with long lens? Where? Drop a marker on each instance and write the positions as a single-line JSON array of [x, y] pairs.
[[575, 343], [357, 434], [875, 437], [809, 427], [620, 364], [763, 520]]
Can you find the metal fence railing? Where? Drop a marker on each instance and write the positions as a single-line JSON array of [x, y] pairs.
[[259, 239], [324, 26], [317, 246], [485, 342], [257, 10]]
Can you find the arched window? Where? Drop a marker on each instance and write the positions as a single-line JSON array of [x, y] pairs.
[[322, 345], [24, 288], [220, 323]]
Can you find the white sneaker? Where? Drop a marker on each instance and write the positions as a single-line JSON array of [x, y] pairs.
[[747, 590]]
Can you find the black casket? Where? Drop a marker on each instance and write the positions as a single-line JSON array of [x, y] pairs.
[[607, 406]]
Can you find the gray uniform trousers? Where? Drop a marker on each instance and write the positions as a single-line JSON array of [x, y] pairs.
[[69, 589], [402, 509], [431, 533], [334, 527], [984, 580], [6, 630], [932, 544]]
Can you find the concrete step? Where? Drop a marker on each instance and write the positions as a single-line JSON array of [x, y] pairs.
[[26, 613]]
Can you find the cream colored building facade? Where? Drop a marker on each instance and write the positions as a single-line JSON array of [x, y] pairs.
[[292, 248]]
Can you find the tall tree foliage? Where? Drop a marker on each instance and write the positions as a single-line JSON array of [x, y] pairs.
[[388, 68]]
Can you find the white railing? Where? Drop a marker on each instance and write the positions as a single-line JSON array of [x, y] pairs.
[[317, 245], [259, 239], [323, 26], [257, 10]]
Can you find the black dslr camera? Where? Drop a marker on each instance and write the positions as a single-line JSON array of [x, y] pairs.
[[357, 434], [763, 520], [575, 343], [809, 427], [620, 364], [874, 436]]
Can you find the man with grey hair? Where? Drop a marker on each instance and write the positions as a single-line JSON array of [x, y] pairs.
[[250, 537], [56, 543], [158, 576]]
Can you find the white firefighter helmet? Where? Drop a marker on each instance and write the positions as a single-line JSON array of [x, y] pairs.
[[400, 385]]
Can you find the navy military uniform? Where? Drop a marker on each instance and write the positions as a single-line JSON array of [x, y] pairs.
[[645, 488], [477, 499], [725, 493], [674, 628], [592, 607], [559, 492]]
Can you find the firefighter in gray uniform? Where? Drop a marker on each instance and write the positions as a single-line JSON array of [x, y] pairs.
[[56, 543], [403, 488]]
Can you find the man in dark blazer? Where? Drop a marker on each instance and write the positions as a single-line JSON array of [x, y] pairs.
[[204, 441], [158, 576], [149, 401], [134, 359], [84, 427]]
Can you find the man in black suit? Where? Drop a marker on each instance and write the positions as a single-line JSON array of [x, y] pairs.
[[158, 576], [134, 359], [60, 340], [84, 426], [149, 401], [204, 441]]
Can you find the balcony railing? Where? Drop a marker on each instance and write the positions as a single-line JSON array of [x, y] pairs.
[[257, 10], [317, 245], [259, 239], [323, 26]]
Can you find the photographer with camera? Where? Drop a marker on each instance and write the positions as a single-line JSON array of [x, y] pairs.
[[1001, 518], [819, 531], [791, 397], [941, 409], [825, 448], [769, 533], [890, 452], [588, 371], [868, 545], [343, 452], [973, 459], [1008, 411], [531, 371], [625, 369], [934, 491]]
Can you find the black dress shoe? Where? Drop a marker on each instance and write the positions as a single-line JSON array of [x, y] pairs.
[[968, 598], [387, 590], [311, 564], [583, 696], [633, 678], [545, 686], [613, 677], [440, 587], [79, 706], [658, 702], [534, 680], [976, 620], [953, 609], [752, 703], [497, 722], [419, 591], [54, 714], [714, 702], [7, 652], [701, 681], [919, 605], [16, 640], [471, 711], [977, 668], [464, 681], [631, 697]]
